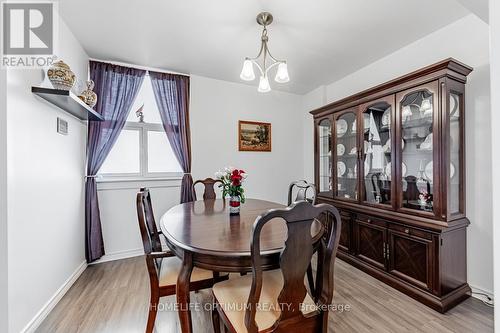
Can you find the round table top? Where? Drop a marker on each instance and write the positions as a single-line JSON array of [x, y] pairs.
[[206, 227]]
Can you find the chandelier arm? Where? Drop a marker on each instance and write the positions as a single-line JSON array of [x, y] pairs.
[[258, 66], [271, 56], [272, 65], [259, 54], [266, 50]]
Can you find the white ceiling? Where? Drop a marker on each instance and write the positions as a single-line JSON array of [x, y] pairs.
[[322, 40]]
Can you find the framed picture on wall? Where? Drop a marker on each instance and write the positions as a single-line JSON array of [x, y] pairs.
[[254, 136]]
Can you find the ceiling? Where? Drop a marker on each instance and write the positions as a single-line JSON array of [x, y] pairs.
[[322, 40]]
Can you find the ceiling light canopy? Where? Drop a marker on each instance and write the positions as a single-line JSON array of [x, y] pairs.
[[247, 72]]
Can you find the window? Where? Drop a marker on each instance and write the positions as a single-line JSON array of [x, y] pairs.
[[142, 149]]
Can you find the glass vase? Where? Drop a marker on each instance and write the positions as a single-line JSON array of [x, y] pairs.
[[234, 205]]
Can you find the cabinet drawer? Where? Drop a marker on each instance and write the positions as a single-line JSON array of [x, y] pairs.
[[371, 220], [411, 231]]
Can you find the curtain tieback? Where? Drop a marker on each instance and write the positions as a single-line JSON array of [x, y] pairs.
[[91, 176]]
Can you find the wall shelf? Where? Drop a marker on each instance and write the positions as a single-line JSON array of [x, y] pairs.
[[69, 102]]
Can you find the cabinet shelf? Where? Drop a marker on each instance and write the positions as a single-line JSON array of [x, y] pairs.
[[69, 102]]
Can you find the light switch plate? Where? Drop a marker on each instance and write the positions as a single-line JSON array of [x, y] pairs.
[[62, 126]]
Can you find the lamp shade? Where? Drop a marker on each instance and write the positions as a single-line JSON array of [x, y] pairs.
[[282, 73], [264, 84], [247, 73]]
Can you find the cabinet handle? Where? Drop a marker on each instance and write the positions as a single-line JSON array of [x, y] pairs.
[[407, 231]]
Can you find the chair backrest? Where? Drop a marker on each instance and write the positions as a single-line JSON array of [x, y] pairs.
[[209, 183], [294, 261], [302, 189], [149, 232]]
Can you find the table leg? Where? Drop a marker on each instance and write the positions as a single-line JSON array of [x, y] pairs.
[[182, 292]]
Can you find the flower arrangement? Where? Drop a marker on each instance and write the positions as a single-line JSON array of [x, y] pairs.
[[232, 179], [425, 199]]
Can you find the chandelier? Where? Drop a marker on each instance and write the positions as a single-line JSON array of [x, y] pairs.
[[247, 73]]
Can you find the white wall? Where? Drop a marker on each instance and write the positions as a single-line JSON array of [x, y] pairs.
[[467, 41], [215, 108], [3, 204], [310, 101], [45, 184], [119, 226], [495, 119]]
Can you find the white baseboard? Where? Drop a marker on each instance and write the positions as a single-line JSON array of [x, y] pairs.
[[45, 310], [481, 291], [120, 255]]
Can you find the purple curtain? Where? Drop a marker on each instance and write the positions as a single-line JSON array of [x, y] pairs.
[[116, 88], [172, 97]]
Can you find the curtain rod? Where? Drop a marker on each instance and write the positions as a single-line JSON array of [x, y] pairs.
[[152, 69]]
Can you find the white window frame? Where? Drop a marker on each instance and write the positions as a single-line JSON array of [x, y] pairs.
[[143, 129]]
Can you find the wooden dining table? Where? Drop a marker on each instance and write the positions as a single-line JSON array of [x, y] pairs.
[[203, 234]]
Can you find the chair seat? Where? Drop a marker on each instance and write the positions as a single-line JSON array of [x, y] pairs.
[[170, 268], [232, 295]]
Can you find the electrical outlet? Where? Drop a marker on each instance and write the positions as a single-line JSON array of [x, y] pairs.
[[62, 126]]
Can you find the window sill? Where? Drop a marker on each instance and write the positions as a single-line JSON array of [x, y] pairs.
[[136, 179], [135, 183]]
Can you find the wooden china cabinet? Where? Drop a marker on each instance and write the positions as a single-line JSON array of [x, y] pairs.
[[392, 160]]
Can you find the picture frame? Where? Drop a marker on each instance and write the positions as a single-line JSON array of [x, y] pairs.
[[254, 136]]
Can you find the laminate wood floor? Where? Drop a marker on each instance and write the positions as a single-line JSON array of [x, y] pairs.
[[113, 297]]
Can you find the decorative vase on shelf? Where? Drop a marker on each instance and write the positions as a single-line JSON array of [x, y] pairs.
[[234, 205], [88, 96], [61, 76]]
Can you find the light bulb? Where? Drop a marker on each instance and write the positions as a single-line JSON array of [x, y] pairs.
[[247, 73], [264, 84], [282, 73]]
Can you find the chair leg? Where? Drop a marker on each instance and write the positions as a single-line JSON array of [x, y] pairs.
[[310, 278], [325, 321], [153, 309], [215, 319]]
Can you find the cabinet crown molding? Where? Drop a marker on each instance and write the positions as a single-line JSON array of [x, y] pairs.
[[449, 67]]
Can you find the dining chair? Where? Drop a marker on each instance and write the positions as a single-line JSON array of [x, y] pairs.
[[302, 187], [163, 266], [277, 300], [209, 192]]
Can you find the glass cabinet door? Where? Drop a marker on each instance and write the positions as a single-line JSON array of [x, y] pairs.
[[454, 146], [377, 158], [324, 132], [346, 156], [417, 111]]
